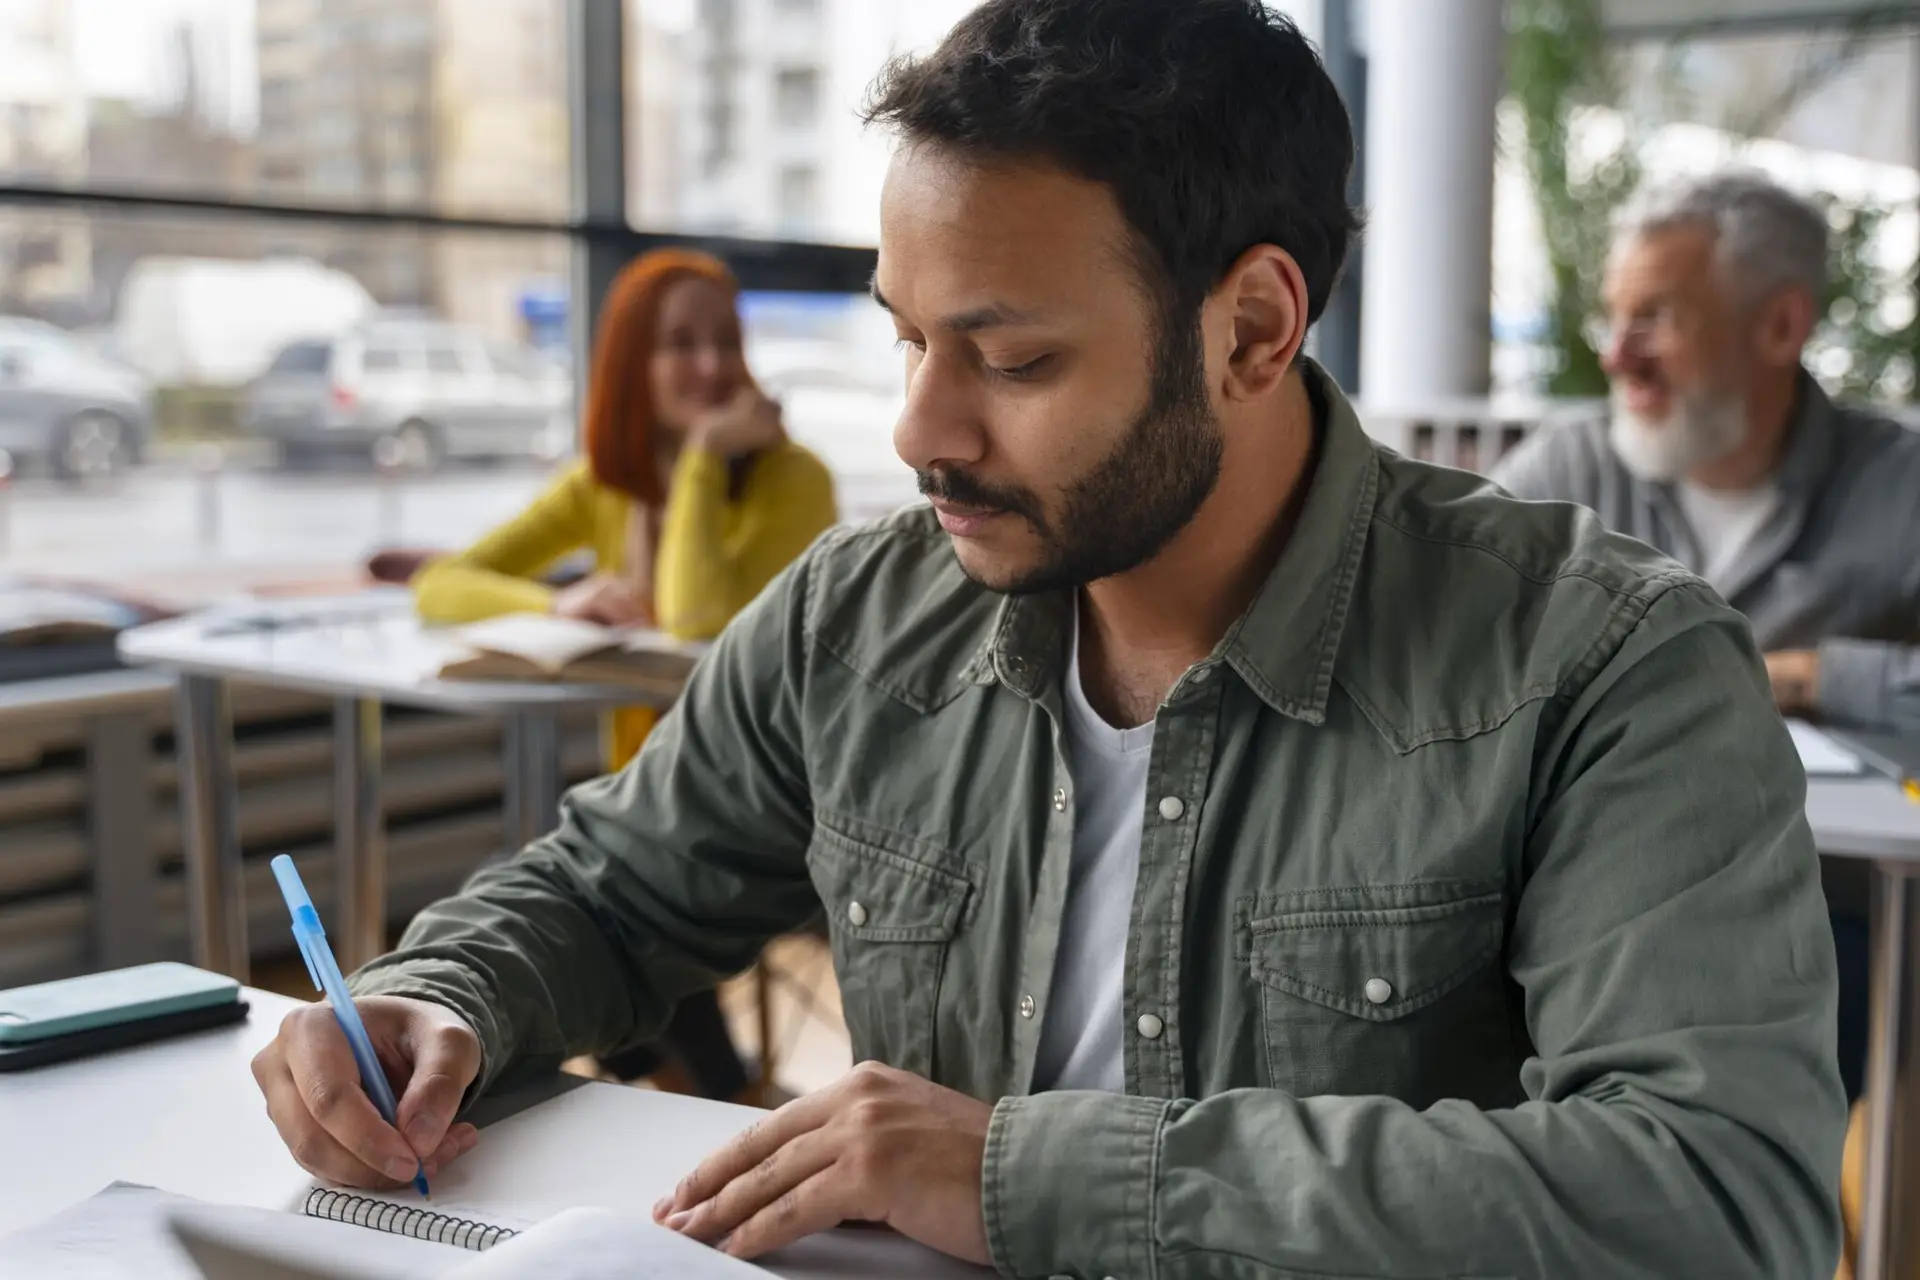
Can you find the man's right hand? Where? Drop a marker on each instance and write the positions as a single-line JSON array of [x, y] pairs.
[[330, 1124]]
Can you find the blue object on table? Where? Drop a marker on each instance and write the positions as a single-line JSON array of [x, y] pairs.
[[326, 975]]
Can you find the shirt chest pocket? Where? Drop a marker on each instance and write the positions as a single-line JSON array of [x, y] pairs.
[[892, 918], [1361, 995]]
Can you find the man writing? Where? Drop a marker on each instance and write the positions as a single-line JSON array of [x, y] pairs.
[[1242, 847], [1722, 452]]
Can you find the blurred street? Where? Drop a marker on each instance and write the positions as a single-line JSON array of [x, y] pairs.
[[170, 528]]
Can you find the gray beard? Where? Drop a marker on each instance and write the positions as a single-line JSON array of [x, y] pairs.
[[1702, 427]]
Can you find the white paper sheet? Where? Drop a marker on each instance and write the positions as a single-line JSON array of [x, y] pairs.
[[593, 1244], [1820, 755], [608, 1147], [578, 1150], [125, 1233]]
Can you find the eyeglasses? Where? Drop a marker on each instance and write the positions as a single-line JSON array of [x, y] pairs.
[[1655, 326]]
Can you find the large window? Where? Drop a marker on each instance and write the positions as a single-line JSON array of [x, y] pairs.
[[455, 105], [741, 114], [245, 242], [239, 373], [1832, 113], [741, 119]]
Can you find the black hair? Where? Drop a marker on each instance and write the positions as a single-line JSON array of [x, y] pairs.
[[1213, 123]]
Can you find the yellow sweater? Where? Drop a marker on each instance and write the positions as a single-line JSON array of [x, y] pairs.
[[715, 555]]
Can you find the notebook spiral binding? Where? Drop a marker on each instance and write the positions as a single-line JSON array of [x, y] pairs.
[[416, 1224]]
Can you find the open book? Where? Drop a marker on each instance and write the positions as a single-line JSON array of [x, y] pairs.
[[32, 614], [534, 646]]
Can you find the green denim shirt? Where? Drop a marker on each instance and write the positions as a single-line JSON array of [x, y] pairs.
[[1478, 929]]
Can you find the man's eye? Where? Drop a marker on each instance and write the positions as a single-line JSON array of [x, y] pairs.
[[1021, 372]]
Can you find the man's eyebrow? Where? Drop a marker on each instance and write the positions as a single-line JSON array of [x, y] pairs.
[[992, 315]]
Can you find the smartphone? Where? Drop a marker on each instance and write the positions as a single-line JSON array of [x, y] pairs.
[[118, 1035], [94, 1000]]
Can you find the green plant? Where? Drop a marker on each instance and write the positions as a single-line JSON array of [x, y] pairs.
[[1868, 347], [1558, 63], [1561, 63]]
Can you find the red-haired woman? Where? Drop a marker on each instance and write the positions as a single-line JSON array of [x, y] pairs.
[[690, 499]]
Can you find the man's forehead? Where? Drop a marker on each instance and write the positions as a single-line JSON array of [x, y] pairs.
[[1678, 255], [954, 231]]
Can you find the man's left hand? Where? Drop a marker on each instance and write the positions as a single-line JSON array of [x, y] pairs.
[[879, 1145], [1795, 674]]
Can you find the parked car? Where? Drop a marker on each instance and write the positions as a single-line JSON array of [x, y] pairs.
[[215, 322], [63, 406], [415, 391]]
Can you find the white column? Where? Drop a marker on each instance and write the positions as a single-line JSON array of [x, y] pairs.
[[1433, 80]]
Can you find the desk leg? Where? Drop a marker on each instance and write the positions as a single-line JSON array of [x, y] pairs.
[[216, 891], [763, 990], [1890, 1239], [532, 743], [120, 813], [359, 832], [513, 807]]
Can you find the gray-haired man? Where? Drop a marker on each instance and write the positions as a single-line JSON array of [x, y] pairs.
[[1723, 453]]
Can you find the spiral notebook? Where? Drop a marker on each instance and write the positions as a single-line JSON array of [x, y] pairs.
[[607, 1147], [130, 1232], [416, 1222], [569, 1150], [512, 1207]]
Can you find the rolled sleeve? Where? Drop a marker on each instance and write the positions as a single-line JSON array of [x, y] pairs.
[[1069, 1183], [1871, 684]]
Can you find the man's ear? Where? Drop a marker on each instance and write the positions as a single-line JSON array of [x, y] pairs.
[[1259, 320], [1787, 320]]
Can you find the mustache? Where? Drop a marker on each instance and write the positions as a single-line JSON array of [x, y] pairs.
[[951, 485]]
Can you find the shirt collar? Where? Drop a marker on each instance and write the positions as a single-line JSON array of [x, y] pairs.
[[1285, 643], [1810, 442]]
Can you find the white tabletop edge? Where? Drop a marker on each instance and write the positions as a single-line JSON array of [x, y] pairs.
[[181, 646], [1866, 818]]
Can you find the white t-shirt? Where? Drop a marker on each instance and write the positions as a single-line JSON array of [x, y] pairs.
[[1080, 1036], [1725, 522]]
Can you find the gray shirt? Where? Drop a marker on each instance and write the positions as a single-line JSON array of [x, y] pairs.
[[1836, 567]]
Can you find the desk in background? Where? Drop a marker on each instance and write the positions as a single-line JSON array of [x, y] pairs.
[[362, 652], [1873, 820]]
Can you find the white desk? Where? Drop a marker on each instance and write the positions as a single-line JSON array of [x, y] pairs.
[[185, 1116], [1871, 819], [1867, 818], [361, 651]]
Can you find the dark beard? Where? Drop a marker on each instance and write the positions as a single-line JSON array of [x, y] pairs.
[[1129, 506]]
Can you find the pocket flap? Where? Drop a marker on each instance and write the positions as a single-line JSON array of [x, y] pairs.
[[878, 895], [1377, 963]]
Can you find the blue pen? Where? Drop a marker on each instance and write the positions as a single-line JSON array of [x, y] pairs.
[[326, 975]]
